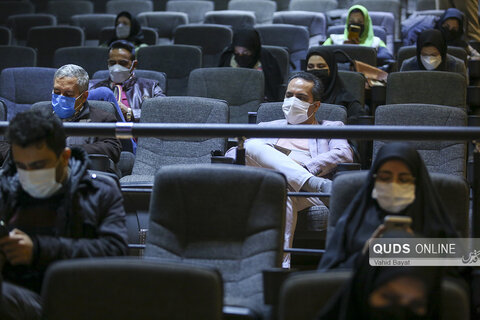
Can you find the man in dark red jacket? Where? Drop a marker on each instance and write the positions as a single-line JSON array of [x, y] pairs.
[[52, 209]]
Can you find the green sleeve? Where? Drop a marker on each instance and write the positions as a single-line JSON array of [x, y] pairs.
[[328, 42]]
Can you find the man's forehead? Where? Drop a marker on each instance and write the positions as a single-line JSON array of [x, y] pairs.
[[66, 81], [32, 152], [120, 53], [300, 84]]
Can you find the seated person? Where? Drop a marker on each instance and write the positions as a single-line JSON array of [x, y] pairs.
[[432, 55], [246, 52], [387, 293], [53, 209], [129, 90], [359, 18], [451, 24], [69, 102], [321, 62], [129, 29], [398, 184], [306, 163]]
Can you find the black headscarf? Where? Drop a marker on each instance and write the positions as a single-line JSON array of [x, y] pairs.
[[454, 38], [352, 300], [136, 34], [250, 39], [363, 215], [334, 88], [435, 38]]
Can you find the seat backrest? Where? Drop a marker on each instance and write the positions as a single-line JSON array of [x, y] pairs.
[[59, 37], [64, 10], [295, 38], [235, 18], [304, 295], [213, 39], [133, 7], [21, 87], [177, 62], [281, 55], [195, 10], [240, 235], [354, 83], [316, 22], [5, 36], [91, 59], [381, 5], [242, 88], [273, 111], [406, 52], [439, 156], [150, 36], [263, 9], [21, 23], [425, 5], [164, 23], [17, 56], [88, 289], [158, 76], [378, 31], [361, 53], [3, 110], [312, 5], [92, 24], [432, 87], [9, 8], [153, 153]]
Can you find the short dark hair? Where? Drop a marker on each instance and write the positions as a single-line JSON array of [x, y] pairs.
[[124, 44], [36, 126], [317, 90]]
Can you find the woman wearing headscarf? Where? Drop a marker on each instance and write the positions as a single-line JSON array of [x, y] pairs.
[[451, 24], [321, 62], [398, 184], [129, 29], [373, 293], [432, 55], [246, 52], [359, 18]]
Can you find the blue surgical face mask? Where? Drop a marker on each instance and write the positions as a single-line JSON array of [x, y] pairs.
[[64, 107]]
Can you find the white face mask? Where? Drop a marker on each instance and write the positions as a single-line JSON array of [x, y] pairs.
[[118, 73], [393, 197], [295, 110], [122, 31], [431, 62], [39, 183]]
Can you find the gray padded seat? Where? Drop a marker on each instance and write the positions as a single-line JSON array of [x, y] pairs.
[[312, 5], [303, 295], [91, 59], [406, 52], [22, 87], [283, 59], [5, 36], [425, 5], [158, 76], [164, 23], [195, 10], [240, 235], [134, 7], [64, 10], [316, 22], [92, 25], [234, 18], [242, 88], [9, 8], [89, 289], [150, 36], [177, 62], [356, 52], [432, 87], [3, 111], [154, 153], [295, 38], [17, 56], [21, 23], [58, 37], [354, 83], [263, 9], [213, 39], [439, 156]]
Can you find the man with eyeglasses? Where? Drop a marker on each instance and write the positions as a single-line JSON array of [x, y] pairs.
[[130, 91]]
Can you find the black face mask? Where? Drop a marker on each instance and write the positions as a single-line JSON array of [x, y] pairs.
[[362, 27], [450, 35], [245, 61], [321, 74], [394, 312]]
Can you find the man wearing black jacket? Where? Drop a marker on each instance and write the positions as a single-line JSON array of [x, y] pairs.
[[53, 209]]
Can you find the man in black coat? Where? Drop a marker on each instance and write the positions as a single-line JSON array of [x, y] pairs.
[[52, 208]]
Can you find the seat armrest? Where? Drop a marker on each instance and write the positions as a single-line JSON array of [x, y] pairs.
[[238, 313], [272, 282], [252, 117]]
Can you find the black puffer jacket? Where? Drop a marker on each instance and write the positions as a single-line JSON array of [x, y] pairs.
[[90, 219]]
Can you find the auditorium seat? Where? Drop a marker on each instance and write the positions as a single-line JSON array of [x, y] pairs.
[[316, 23], [312, 5], [133, 7], [9, 8], [237, 19], [406, 52], [91, 59], [195, 10], [241, 88], [241, 235], [64, 10], [5, 36], [354, 83], [17, 56], [283, 59], [263, 9], [20, 24], [92, 25], [164, 23]]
